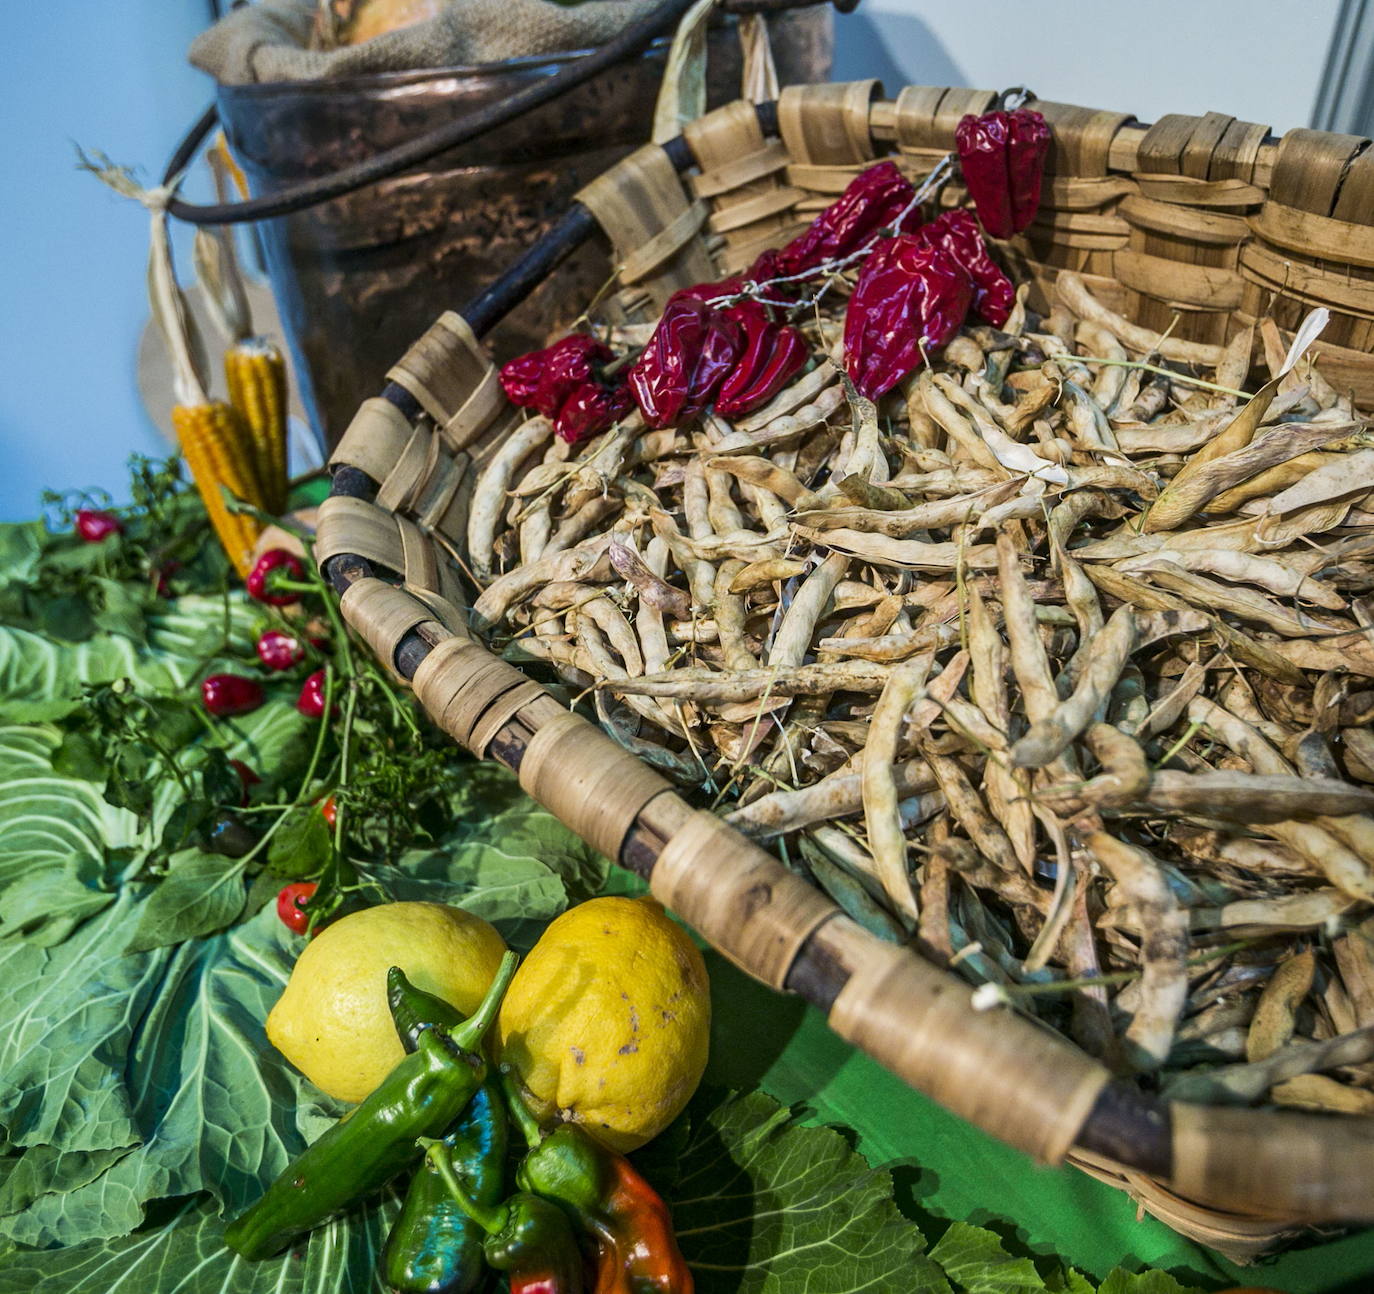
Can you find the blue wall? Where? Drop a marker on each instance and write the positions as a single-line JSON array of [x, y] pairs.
[[111, 77]]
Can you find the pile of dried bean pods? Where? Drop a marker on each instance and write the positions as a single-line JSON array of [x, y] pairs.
[[1056, 661]]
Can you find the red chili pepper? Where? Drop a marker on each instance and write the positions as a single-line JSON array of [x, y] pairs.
[[875, 200], [693, 350], [260, 580], [93, 526], [1002, 156], [311, 700], [278, 650], [543, 379], [290, 905], [247, 779], [163, 576], [909, 296], [564, 382], [637, 1252], [589, 410], [230, 694], [956, 233], [773, 354], [329, 810]]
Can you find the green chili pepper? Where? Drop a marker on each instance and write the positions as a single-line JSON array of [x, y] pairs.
[[434, 1247], [413, 1010], [527, 1237], [637, 1252], [421, 1097]]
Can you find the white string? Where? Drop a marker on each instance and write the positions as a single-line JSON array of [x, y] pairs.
[[756, 290]]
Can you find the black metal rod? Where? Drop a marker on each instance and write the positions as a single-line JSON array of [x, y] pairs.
[[573, 229], [192, 140], [484, 312]]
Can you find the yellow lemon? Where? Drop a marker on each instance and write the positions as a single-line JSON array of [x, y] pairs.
[[332, 1021], [607, 1022]]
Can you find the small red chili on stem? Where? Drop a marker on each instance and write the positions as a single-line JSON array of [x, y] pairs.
[[163, 577], [230, 694], [260, 580], [278, 650], [291, 905], [93, 525], [247, 779], [311, 700], [329, 810]]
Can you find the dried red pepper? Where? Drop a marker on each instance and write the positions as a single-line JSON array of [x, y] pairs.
[[564, 382], [956, 233], [910, 295], [769, 352], [543, 379], [693, 350], [875, 199], [773, 354], [590, 409], [1002, 156]]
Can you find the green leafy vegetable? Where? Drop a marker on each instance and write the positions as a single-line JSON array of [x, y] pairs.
[[517, 864], [164, 1075], [1124, 1282], [185, 1254], [201, 894], [975, 1261], [763, 1205]]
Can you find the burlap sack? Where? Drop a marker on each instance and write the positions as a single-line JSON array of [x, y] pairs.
[[267, 41]]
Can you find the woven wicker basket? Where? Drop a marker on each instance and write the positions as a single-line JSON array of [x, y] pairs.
[[1207, 218]]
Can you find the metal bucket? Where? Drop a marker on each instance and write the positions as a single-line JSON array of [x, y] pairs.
[[358, 278]]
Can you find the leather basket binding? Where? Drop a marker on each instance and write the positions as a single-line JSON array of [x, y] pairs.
[[1205, 218]]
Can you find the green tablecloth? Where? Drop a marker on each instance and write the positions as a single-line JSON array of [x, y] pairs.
[[945, 1169]]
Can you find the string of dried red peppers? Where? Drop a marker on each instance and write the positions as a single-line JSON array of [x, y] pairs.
[[916, 287]]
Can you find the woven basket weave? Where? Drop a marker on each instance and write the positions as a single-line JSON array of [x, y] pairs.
[[1203, 218]]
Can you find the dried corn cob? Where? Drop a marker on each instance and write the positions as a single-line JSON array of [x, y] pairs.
[[254, 370], [256, 376], [222, 160], [210, 432], [212, 437]]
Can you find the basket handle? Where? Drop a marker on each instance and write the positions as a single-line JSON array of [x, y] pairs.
[[299, 197]]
